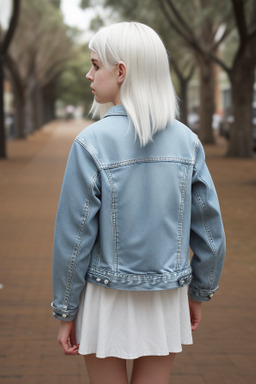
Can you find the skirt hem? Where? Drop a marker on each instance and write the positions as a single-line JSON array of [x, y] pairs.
[[132, 356]]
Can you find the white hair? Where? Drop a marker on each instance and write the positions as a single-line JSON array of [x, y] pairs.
[[147, 92]]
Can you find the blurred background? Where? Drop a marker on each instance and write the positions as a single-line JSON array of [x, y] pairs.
[[44, 104], [212, 48]]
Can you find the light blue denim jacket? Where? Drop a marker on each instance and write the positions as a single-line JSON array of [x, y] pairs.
[[127, 215]]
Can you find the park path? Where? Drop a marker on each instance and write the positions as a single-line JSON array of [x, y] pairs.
[[224, 349]]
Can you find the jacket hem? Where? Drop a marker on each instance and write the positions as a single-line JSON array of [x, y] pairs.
[[139, 282]]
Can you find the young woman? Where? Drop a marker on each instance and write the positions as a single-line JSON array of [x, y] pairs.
[[136, 195]]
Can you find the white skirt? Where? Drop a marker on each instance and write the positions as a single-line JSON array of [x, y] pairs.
[[131, 324]]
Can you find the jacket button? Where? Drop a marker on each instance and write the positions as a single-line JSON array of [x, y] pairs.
[[106, 281], [98, 279], [210, 296], [64, 315]]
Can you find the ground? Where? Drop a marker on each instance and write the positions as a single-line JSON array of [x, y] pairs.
[[224, 349]]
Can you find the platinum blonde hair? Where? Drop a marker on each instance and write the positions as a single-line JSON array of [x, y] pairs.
[[147, 92]]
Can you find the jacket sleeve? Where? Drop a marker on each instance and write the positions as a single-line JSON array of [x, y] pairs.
[[207, 238], [76, 230]]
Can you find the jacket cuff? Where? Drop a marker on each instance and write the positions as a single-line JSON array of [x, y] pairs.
[[63, 315], [201, 295]]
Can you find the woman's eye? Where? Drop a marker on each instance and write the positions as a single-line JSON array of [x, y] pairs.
[[96, 67]]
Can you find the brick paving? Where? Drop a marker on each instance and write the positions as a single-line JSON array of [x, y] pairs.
[[224, 349]]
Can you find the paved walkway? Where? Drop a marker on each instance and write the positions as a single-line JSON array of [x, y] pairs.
[[224, 349]]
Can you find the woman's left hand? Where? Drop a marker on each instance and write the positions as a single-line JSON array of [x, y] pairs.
[[67, 338], [195, 308]]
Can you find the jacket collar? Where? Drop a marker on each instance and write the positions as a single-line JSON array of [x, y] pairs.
[[116, 110]]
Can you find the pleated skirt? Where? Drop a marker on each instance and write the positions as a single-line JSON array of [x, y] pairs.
[[131, 324]]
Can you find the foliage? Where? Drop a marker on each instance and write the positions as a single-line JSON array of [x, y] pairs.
[[40, 50], [41, 44], [56, 3], [72, 87]]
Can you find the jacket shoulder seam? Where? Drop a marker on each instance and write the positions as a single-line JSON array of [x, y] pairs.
[[90, 150]]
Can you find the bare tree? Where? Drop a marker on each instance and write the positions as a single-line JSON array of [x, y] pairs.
[[4, 45]]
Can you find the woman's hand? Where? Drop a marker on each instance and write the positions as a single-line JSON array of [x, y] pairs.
[[67, 337], [195, 308]]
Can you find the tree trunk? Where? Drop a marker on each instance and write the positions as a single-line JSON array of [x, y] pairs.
[[48, 98], [3, 50], [30, 113], [19, 97], [183, 86], [207, 104], [241, 144], [37, 108], [19, 115], [2, 118], [41, 108]]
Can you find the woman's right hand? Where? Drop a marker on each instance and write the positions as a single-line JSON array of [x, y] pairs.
[[67, 338]]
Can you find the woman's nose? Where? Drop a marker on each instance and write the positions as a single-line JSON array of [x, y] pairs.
[[89, 76]]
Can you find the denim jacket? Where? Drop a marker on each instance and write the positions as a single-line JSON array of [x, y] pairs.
[[128, 215]]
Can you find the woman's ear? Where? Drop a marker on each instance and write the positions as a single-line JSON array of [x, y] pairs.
[[121, 72]]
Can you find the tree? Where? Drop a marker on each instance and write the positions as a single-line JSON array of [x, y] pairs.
[[184, 71], [204, 26], [4, 45], [148, 12], [198, 24], [241, 73], [36, 59], [242, 77]]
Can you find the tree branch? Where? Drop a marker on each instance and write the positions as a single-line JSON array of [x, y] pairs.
[[55, 68], [12, 26], [179, 72], [189, 39], [176, 68], [252, 27], [218, 61], [253, 15], [180, 19], [191, 72], [238, 9], [228, 30], [13, 69]]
